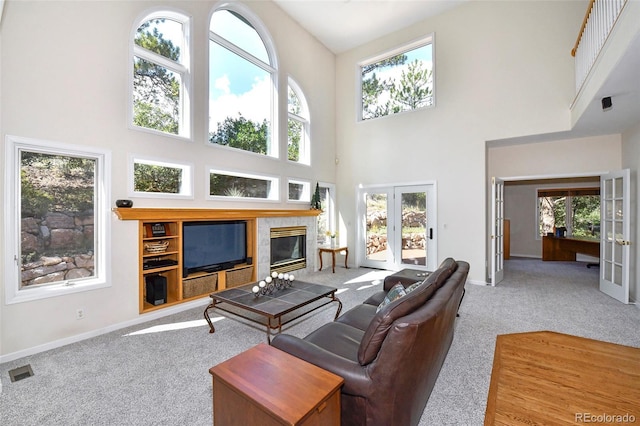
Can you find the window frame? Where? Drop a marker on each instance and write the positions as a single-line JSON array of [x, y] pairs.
[[273, 149], [329, 214], [569, 193], [306, 191], [304, 119], [187, 177], [274, 194], [428, 39], [183, 68], [12, 226]]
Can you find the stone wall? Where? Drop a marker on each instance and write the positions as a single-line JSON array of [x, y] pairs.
[[57, 247], [378, 242]]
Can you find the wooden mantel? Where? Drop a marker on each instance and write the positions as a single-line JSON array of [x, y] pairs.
[[205, 214]]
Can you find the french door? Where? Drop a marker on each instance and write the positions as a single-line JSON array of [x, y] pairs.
[[497, 232], [615, 232], [398, 227]]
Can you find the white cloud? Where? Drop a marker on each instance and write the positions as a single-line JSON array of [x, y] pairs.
[[255, 104]]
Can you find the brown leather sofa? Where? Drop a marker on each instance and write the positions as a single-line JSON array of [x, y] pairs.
[[389, 359]]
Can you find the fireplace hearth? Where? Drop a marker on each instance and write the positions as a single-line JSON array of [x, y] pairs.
[[288, 248]]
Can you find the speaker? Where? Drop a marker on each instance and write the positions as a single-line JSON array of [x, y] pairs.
[[606, 103], [156, 287]]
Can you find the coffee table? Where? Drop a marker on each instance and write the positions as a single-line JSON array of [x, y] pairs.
[[272, 310]]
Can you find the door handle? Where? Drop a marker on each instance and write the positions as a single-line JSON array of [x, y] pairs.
[[431, 233]]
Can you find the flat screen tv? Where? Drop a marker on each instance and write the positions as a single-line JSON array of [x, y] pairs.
[[213, 246]]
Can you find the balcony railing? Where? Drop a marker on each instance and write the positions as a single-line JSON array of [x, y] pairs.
[[598, 22]]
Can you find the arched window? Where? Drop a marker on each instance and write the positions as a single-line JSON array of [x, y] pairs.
[[161, 74], [298, 148], [242, 83]]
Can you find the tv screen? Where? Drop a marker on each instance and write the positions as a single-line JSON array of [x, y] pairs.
[[213, 246]]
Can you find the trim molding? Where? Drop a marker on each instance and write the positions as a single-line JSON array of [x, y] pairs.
[[83, 336]]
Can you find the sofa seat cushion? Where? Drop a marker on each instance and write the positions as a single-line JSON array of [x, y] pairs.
[[381, 322], [359, 316], [338, 338]]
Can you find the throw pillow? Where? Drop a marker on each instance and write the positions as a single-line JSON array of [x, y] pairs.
[[413, 286], [395, 293]]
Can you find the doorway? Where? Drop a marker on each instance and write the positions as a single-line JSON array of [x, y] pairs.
[[398, 226]]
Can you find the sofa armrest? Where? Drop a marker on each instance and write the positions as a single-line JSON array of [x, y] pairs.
[[356, 380]]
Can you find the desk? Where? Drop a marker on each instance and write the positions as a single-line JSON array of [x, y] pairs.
[[333, 251], [267, 386], [547, 378], [566, 248]]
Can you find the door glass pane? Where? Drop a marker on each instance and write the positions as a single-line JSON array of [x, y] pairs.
[[376, 236], [414, 227]]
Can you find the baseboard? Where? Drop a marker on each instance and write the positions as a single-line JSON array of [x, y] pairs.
[[160, 313], [529, 256]]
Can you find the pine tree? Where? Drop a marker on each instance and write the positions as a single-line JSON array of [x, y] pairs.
[[315, 200]]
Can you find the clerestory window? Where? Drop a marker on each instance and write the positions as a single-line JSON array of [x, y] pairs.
[[239, 185], [57, 235], [156, 178], [161, 74], [397, 81], [242, 83]]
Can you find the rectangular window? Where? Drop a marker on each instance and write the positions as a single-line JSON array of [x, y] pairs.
[[398, 81], [299, 190], [575, 210], [242, 185], [158, 178], [57, 235]]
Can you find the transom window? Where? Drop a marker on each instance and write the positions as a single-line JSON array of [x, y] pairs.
[[397, 81], [299, 190], [242, 82], [161, 74], [226, 184], [160, 178]]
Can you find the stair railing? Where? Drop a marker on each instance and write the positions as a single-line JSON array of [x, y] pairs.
[[598, 22]]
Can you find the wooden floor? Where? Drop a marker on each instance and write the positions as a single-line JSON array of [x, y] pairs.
[[547, 378]]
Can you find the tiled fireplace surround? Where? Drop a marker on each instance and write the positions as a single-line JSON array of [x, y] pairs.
[[264, 241]]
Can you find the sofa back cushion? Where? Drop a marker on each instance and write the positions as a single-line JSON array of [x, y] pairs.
[[381, 322]]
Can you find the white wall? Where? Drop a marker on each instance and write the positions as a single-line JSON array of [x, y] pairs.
[[503, 69], [65, 78]]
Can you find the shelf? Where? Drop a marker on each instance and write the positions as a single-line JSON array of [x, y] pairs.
[[198, 285], [165, 215]]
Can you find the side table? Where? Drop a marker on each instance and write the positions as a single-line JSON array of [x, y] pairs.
[[333, 251], [267, 386]]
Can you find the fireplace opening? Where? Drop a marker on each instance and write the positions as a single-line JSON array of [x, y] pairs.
[[288, 248]]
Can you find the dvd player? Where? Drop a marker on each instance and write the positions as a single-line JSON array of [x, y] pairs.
[[158, 263]]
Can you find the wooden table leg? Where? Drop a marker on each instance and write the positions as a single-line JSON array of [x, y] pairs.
[[346, 256], [333, 261], [320, 254]]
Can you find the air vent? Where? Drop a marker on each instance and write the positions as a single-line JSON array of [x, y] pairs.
[[20, 373]]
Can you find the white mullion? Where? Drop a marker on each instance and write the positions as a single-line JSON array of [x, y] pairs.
[[241, 52], [160, 60]]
